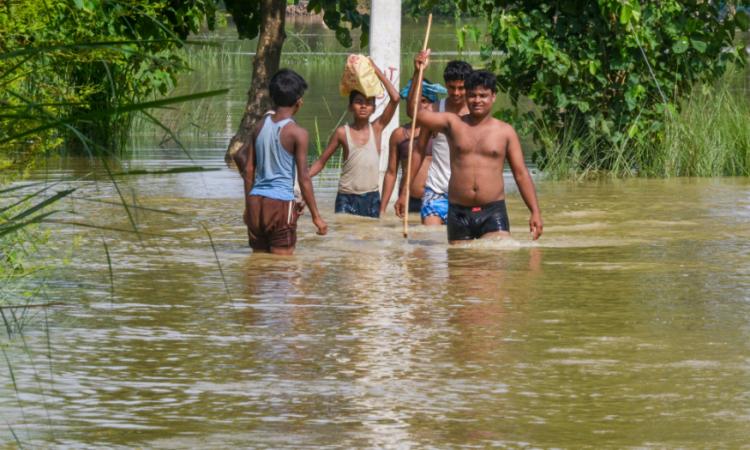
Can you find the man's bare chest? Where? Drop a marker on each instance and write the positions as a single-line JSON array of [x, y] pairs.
[[475, 144]]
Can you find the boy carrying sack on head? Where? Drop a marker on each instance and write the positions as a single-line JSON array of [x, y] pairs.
[[360, 140]]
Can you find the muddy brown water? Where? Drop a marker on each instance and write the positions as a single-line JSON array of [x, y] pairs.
[[626, 325]]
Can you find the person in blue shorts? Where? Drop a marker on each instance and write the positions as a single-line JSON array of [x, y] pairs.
[[435, 189], [398, 153], [479, 146]]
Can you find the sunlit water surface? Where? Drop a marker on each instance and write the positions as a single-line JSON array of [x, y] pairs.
[[626, 324]]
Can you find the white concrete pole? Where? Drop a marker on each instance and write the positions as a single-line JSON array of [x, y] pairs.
[[385, 50]]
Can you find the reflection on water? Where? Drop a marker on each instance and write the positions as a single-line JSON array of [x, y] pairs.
[[626, 325]]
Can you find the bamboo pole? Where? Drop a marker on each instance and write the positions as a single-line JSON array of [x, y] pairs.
[[418, 97]]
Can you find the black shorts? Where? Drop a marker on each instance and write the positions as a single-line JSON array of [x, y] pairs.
[[473, 222], [367, 205], [415, 204]]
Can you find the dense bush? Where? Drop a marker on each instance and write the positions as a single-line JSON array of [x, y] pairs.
[[606, 75], [67, 59]]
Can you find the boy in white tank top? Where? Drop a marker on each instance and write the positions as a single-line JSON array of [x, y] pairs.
[[360, 140], [435, 197]]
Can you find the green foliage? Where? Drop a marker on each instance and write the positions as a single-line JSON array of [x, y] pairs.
[[441, 8], [77, 57], [339, 16], [607, 74], [710, 136]]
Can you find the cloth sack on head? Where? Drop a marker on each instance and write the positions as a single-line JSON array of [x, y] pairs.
[[359, 75], [429, 90]]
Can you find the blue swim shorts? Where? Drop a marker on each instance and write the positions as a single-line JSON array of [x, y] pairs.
[[367, 205], [434, 204]]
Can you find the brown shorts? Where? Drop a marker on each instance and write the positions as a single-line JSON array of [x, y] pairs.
[[270, 223]]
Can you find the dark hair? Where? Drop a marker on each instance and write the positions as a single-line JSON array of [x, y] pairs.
[[355, 93], [286, 87], [481, 78], [456, 71]]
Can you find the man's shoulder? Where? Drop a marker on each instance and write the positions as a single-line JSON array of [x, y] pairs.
[[502, 126]]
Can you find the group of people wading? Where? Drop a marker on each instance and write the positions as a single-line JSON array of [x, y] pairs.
[[458, 159]]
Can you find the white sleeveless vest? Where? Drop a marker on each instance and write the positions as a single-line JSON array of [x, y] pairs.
[[439, 172]]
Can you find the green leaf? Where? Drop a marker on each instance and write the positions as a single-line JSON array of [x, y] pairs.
[[625, 14], [699, 45], [680, 46], [460, 38], [742, 19], [594, 67], [343, 36], [630, 11]]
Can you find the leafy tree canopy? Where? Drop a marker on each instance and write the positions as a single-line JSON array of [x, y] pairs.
[[340, 16], [606, 71]]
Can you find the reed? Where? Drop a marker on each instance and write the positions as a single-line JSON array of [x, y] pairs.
[[710, 136]]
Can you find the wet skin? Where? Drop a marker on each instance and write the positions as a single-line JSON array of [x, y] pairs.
[[361, 109], [455, 103], [479, 145]]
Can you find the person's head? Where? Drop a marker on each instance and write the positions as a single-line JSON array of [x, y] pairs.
[[454, 75], [430, 92], [360, 106], [287, 88], [481, 87]]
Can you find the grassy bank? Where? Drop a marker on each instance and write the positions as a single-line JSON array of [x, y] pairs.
[[708, 136]]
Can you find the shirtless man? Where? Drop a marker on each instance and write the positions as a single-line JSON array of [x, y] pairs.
[[479, 145], [434, 191]]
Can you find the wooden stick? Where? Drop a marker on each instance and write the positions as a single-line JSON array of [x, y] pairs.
[[418, 96]]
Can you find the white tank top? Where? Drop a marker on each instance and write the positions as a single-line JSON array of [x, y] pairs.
[[439, 172], [361, 170]]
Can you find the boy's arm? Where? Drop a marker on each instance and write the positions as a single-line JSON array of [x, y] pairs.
[[390, 107], [248, 170], [418, 157], [524, 182], [389, 180], [301, 141], [433, 121], [333, 145], [422, 59]]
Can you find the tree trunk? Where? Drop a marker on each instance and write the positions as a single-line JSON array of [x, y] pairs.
[[265, 64]]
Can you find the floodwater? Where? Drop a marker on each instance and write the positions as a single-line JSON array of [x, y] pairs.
[[626, 325]]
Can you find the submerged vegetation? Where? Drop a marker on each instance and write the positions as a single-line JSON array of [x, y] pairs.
[[72, 70]]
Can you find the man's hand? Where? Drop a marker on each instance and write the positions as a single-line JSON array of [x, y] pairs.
[[422, 59], [400, 206], [321, 225], [535, 225]]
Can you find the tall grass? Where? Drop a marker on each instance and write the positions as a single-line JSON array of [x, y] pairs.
[[709, 137]]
